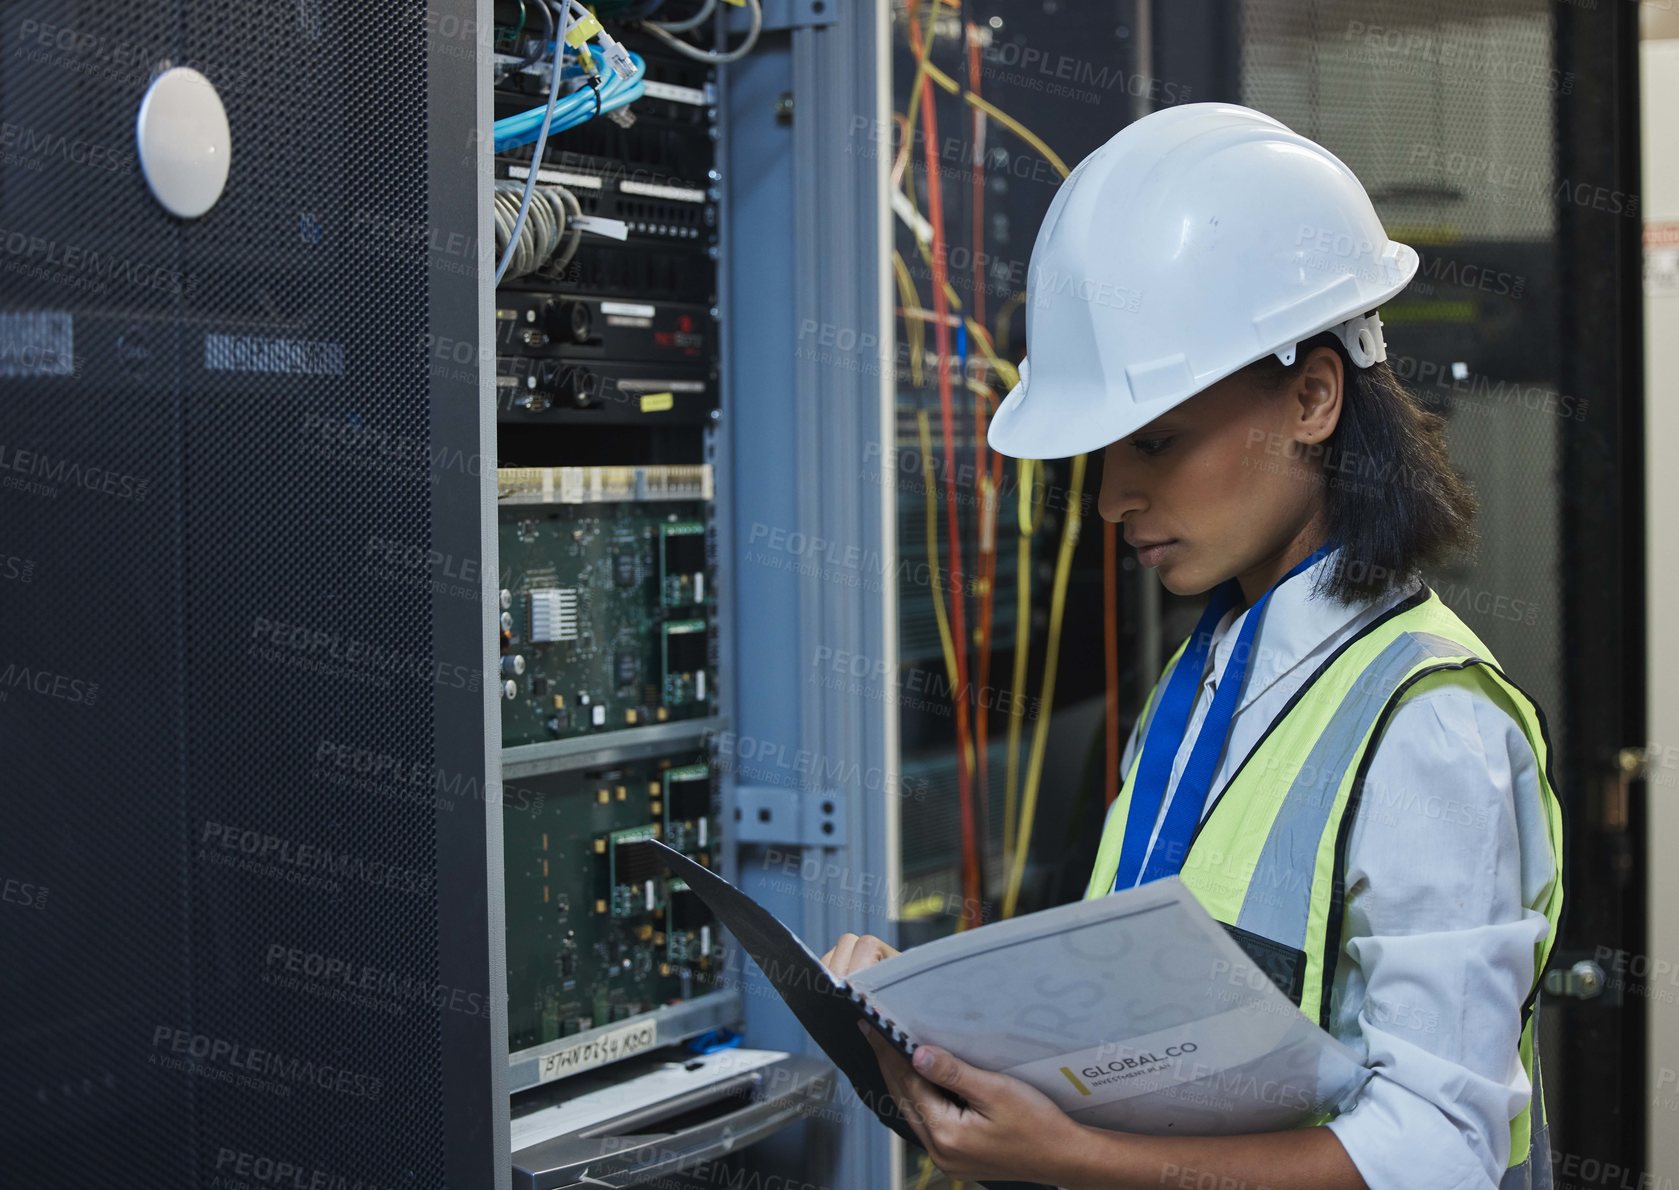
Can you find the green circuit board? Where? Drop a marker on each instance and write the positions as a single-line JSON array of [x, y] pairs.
[[607, 601], [595, 932]]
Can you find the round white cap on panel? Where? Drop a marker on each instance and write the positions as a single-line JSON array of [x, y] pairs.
[[185, 145]]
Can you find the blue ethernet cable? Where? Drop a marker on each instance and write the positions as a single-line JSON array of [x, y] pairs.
[[576, 108]]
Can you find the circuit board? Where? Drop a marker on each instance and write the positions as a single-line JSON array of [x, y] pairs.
[[596, 930], [607, 599]]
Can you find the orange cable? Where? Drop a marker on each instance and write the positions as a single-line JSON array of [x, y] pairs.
[[935, 203], [986, 504]]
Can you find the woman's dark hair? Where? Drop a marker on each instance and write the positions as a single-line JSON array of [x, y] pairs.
[[1391, 495]]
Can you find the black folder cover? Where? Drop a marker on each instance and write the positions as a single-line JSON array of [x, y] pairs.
[[822, 1005]]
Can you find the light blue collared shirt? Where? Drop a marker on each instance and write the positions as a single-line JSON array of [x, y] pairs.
[[1447, 864]]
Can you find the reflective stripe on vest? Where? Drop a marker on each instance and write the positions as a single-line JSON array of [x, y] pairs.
[[1269, 859]]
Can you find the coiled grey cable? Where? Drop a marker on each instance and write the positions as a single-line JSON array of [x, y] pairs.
[[715, 57], [688, 23], [541, 143], [552, 216], [571, 209]]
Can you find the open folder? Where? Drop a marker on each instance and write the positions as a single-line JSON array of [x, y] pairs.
[[1135, 1011]]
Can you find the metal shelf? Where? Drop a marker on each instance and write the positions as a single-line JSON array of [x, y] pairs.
[[632, 743]]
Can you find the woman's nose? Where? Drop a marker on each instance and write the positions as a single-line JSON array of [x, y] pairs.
[[1119, 494]]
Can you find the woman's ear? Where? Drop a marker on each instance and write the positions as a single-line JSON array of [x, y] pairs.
[[1318, 389]]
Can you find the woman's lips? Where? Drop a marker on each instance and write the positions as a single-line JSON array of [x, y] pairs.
[[1150, 555]]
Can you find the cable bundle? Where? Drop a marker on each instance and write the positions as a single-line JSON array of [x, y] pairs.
[[549, 223], [947, 313], [581, 106], [626, 84]]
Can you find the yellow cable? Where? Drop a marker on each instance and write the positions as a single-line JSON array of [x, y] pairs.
[[1007, 371], [1028, 479], [923, 65], [1022, 629], [1025, 470], [977, 333], [926, 1172], [1001, 322], [913, 329], [998, 114], [1025, 475], [1040, 729]]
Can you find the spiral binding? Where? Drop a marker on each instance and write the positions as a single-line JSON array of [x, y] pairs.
[[899, 1036]]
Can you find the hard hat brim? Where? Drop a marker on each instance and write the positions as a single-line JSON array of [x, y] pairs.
[[1016, 433]]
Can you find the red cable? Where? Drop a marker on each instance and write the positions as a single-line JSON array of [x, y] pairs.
[[987, 558], [979, 182], [958, 618]]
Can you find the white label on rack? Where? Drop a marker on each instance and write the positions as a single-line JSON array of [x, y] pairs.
[[563, 177], [633, 309], [653, 190], [654, 89], [616, 229], [637, 384], [598, 1051]]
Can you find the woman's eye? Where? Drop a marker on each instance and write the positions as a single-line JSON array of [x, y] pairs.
[[1151, 446]]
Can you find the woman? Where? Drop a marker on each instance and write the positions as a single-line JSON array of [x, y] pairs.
[[1332, 761]]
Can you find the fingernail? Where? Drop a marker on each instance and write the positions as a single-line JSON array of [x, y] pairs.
[[923, 1057]]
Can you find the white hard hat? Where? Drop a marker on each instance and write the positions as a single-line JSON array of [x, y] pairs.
[[1198, 239]]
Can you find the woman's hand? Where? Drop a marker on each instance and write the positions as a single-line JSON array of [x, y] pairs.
[[1008, 1130], [853, 952]]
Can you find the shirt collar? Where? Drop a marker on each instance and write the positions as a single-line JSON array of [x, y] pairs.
[[1297, 625]]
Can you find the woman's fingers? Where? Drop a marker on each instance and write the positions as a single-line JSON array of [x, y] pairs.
[[839, 960], [895, 1069], [868, 951], [853, 952]]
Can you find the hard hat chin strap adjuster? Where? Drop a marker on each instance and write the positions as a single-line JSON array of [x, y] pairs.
[[1361, 335]]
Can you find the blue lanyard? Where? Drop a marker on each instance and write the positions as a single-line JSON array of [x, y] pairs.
[[1166, 732]]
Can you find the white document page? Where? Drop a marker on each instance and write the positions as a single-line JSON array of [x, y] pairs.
[[1135, 1012]]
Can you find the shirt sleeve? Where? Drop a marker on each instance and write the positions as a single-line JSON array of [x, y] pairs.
[[1446, 858]]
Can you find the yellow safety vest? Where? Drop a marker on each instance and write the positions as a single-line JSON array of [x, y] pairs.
[[1296, 794]]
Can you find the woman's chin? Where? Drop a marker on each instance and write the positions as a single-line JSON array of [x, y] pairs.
[[1182, 577]]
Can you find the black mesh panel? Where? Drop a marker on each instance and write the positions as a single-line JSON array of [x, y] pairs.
[[220, 940]]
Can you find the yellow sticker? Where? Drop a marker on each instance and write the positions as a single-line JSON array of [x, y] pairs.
[[736, 3], [582, 31], [657, 402]]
